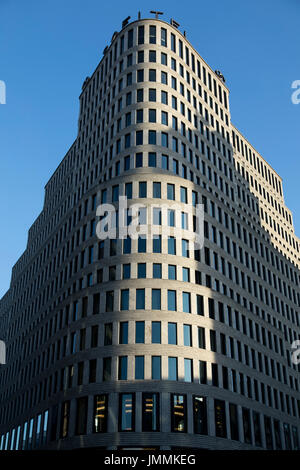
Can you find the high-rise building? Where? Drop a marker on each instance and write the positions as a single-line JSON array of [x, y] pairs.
[[147, 341]]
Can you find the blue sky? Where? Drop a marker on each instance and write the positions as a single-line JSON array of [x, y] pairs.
[[47, 48]]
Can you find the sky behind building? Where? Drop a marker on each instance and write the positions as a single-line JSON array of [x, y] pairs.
[[48, 48]]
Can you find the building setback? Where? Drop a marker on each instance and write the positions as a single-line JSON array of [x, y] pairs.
[[145, 342]]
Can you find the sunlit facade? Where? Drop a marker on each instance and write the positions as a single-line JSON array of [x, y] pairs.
[[149, 342]]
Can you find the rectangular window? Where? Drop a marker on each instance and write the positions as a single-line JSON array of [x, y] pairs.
[[247, 425], [172, 333], [157, 190], [81, 415], [156, 299], [200, 415], [187, 335], [234, 423], [164, 135], [172, 305], [122, 375], [140, 299], [173, 42], [178, 413], [171, 246], [152, 35], [109, 301], [171, 192], [202, 372], [257, 430], [171, 217], [220, 418], [126, 271], [106, 369], [108, 334], [93, 370], [100, 413], [141, 34], [152, 156], [164, 58], [139, 367], [156, 367], [150, 412], [163, 41], [127, 246], [125, 299], [157, 271], [156, 243], [126, 412], [200, 305], [188, 370], [156, 332], [152, 94], [140, 95], [142, 189], [152, 72], [164, 78], [123, 333], [142, 243], [201, 337], [164, 97], [172, 363], [185, 248], [186, 302], [65, 418], [141, 271], [172, 272], [140, 332]]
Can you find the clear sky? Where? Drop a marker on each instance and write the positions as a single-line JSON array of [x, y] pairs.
[[48, 47]]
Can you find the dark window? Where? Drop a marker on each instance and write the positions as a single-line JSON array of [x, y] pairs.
[[93, 371], [156, 332], [220, 418], [247, 425], [126, 412], [65, 417], [100, 413], [140, 299], [157, 272], [200, 415], [123, 360], [124, 299], [234, 423], [142, 189], [109, 301], [152, 35], [106, 369], [150, 412], [257, 430], [81, 415], [201, 337], [123, 334], [140, 332], [178, 413], [108, 334], [202, 372], [156, 367], [141, 33]]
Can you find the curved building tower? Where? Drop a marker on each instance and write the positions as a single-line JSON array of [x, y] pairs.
[[152, 339]]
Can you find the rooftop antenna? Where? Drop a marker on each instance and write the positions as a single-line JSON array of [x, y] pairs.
[[156, 13], [174, 23], [125, 22], [139, 15]]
